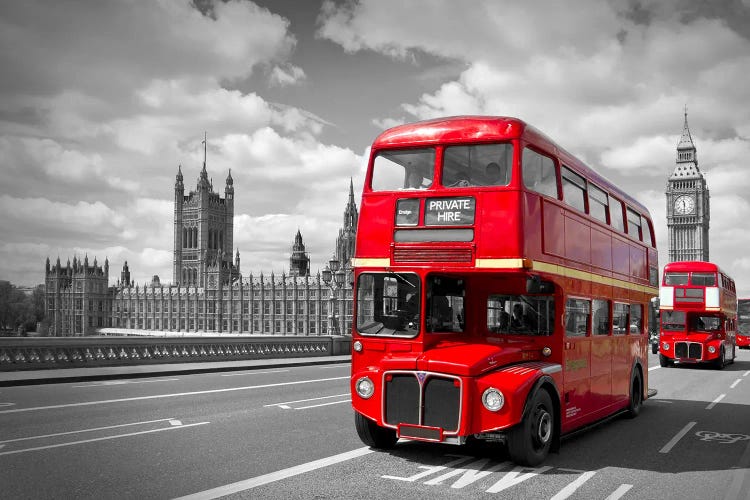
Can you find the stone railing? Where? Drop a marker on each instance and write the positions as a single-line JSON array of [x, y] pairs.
[[73, 352]]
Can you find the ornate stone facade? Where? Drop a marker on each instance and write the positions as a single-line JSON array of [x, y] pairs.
[[208, 295]]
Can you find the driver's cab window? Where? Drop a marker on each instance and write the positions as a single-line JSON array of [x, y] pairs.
[[445, 304], [388, 304], [521, 314]]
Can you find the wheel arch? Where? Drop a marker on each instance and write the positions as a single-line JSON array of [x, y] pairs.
[[547, 383]]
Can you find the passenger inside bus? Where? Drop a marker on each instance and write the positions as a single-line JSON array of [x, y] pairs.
[[439, 313], [521, 321], [496, 175]]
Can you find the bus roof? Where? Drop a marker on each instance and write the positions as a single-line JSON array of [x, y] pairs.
[[692, 265], [478, 129]]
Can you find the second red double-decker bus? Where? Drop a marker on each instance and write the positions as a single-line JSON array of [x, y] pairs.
[[501, 289], [743, 324], [698, 314]]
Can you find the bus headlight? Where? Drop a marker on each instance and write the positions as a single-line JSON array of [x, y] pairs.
[[493, 399], [364, 387], [711, 349], [665, 346], [357, 346]]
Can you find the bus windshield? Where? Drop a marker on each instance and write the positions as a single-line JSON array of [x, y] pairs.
[[673, 320], [388, 304]]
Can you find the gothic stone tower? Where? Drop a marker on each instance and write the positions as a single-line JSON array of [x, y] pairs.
[[299, 262], [688, 209], [203, 233], [348, 233]]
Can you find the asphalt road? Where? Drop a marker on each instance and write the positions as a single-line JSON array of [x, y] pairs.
[[289, 433]]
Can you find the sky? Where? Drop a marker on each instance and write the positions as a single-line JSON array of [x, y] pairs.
[[101, 101]]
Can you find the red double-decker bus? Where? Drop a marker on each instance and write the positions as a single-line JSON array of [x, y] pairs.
[[501, 289], [743, 324], [698, 314]]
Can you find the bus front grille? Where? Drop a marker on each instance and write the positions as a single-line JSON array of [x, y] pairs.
[[690, 350], [432, 254], [435, 401]]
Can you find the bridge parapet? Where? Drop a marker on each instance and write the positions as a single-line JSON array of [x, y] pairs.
[[76, 352]]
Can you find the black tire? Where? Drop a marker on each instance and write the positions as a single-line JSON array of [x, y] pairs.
[[664, 361], [529, 442], [721, 361], [372, 434], [654, 348], [636, 396]]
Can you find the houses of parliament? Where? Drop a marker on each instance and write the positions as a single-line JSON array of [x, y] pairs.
[[208, 293]]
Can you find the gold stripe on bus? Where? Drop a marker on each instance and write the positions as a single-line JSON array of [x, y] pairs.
[[374, 262], [536, 265], [502, 263], [595, 278]]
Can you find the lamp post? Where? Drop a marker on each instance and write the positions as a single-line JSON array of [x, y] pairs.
[[334, 276]]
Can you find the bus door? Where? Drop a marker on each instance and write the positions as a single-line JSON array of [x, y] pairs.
[[601, 354], [577, 359], [622, 354]]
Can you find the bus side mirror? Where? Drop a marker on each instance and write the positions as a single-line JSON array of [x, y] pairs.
[[534, 284]]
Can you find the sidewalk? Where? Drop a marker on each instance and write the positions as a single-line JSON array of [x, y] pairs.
[[64, 375]]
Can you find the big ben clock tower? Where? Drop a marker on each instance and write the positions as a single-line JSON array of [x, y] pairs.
[[688, 209]]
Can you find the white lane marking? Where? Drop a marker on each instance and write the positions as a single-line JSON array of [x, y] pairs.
[[515, 477], [677, 437], [6, 404], [746, 373], [735, 383], [104, 383], [175, 422], [105, 438], [306, 400], [250, 372], [174, 395], [619, 492], [324, 404], [715, 401], [93, 429], [254, 482], [654, 367], [330, 367], [572, 487]]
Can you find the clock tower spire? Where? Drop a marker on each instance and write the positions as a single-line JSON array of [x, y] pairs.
[[688, 209]]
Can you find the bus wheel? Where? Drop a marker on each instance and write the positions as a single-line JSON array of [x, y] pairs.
[[664, 361], [636, 396], [721, 361], [372, 434], [529, 441]]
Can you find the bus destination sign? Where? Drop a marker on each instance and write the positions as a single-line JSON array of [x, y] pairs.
[[449, 211]]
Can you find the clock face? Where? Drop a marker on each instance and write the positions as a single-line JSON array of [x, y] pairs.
[[684, 205]]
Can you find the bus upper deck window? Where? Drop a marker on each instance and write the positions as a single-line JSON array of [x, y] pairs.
[[403, 169], [676, 279], [480, 165], [539, 173], [703, 279]]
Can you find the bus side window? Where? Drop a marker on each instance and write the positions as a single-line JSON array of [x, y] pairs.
[[539, 173], [600, 324], [636, 319], [574, 189], [577, 313], [615, 214]]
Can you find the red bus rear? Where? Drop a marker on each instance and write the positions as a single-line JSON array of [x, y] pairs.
[[698, 314], [743, 323], [501, 289]]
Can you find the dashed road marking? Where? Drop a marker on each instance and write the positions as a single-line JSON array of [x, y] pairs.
[[715, 401], [678, 436]]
